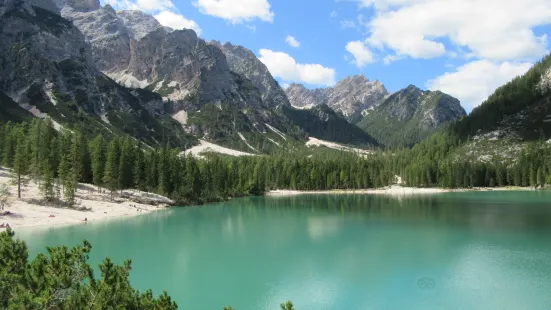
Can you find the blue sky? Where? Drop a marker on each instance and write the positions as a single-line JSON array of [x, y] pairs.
[[466, 48]]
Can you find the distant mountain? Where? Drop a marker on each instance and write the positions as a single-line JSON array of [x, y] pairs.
[[324, 123], [410, 115], [349, 96]]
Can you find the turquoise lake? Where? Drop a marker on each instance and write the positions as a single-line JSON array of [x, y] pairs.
[[470, 250]]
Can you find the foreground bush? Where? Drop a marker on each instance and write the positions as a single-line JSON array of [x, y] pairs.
[[63, 279]]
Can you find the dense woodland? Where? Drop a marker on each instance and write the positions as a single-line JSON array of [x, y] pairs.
[[58, 160]]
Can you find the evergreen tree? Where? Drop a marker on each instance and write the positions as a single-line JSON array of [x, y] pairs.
[[139, 170], [110, 176], [20, 160], [98, 158]]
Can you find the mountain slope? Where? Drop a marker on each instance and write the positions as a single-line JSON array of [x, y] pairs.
[[243, 61], [323, 123], [188, 73], [520, 109], [410, 115], [47, 68], [349, 96]]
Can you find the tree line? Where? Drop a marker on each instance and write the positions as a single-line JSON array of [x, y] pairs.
[[59, 159], [434, 163]]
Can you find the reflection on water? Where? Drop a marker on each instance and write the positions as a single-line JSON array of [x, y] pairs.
[[482, 250]]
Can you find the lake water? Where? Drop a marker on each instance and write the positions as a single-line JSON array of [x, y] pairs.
[[473, 250]]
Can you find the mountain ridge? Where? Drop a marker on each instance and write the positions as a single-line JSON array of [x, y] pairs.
[[409, 115]]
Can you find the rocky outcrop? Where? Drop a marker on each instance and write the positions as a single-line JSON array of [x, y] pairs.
[[104, 30], [349, 96], [139, 24], [243, 61]]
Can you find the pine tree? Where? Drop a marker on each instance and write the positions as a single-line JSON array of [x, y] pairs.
[[138, 170], [20, 160], [541, 177], [9, 147], [47, 184], [97, 150], [110, 176]]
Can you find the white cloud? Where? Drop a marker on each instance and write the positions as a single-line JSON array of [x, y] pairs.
[[497, 30], [362, 54], [285, 67], [236, 11], [177, 21], [285, 85], [292, 41], [390, 58], [333, 14], [163, 10], [347, 24], [148, 6], [473, 82]]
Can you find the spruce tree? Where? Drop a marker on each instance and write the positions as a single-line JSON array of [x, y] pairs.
[[9, 147], [110, 176], [126, 163], [20, 160], [541, 177], [97, 150], [138, 171]]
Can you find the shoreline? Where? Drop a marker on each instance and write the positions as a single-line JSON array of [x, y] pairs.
[[395, 190], [32, 211]]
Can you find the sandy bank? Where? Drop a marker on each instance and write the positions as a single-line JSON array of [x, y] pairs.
[[32, 211], [392, 190]]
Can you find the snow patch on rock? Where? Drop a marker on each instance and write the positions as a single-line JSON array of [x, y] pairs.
[[332, 145], [181, 117], [158, 85], [304, 107], [128, 80], [273, 141], [276, 131], [104, 118], [247, 143], [205, 147]]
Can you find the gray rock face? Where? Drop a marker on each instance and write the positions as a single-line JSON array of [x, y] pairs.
[[304, 98], [47, 67], [104, 30], [243, 61], [139, 24], [349, 96], [136, 51]]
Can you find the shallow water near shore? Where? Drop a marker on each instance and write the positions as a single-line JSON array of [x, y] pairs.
[[464, 250]]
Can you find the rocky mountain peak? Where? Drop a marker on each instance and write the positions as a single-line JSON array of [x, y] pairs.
[[244, 62], [410, 114], [138, 23], [79, 5], [350, 96]]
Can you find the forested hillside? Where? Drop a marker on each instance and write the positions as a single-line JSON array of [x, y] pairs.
[[410, 115], [521, 108], [324, 123]]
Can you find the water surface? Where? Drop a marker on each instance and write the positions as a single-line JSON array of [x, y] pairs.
[[473, 250]]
